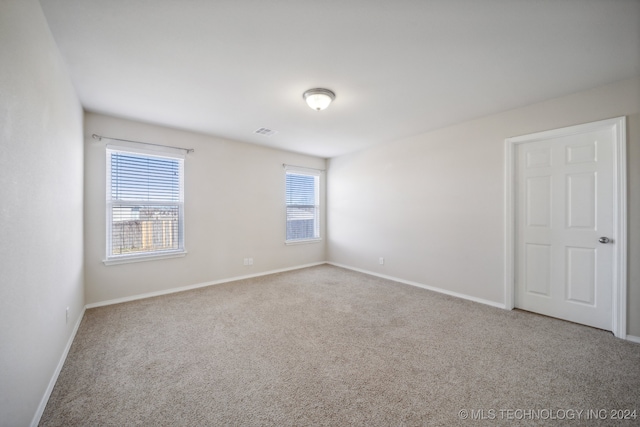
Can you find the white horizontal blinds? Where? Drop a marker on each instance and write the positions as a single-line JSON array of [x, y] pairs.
[[145, 203], [302, 206], [139, 177]]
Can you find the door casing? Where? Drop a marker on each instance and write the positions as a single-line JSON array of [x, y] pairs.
[[619, 285]]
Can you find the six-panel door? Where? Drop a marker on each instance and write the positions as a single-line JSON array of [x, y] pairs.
[[564, 205]]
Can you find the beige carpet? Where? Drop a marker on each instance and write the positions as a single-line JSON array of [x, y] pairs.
[[328, 346]]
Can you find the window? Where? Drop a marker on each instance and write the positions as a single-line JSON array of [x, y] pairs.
[[303, 205], [145, 205]]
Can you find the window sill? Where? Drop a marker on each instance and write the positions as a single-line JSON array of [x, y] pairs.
[[141, 258], [302, 241]]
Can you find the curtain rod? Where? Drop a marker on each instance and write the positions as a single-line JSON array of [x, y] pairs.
[[284, 165], [100, 138]]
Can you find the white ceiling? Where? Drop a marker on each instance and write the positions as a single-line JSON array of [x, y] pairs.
[[398, 68]]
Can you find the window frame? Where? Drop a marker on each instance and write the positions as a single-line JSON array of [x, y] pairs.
[[111, 259], [295, 170]]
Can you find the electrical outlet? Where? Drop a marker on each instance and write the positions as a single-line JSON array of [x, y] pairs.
[[67, 315], [250, 261], [381, 260], [246, 261]]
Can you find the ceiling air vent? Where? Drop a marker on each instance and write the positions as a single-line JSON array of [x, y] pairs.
[[265, 132]]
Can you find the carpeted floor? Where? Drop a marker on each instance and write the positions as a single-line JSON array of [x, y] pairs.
[[328, 346]]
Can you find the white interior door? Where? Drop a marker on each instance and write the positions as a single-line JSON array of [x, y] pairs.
[[564, 227]]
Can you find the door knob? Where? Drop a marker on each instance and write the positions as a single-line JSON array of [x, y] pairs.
[[604, 240]]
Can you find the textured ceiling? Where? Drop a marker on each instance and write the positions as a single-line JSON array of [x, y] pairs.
[[398, 68]]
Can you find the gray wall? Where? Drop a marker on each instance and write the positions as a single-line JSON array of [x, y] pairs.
[[433, 204], [234, 209], [41, 245]]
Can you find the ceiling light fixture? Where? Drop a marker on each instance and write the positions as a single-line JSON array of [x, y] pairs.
[[318, 99]]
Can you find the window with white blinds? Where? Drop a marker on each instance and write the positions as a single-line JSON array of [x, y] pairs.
[[145, 205], [303, 206]]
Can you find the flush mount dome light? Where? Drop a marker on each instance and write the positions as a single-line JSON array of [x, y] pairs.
[[318, 99]]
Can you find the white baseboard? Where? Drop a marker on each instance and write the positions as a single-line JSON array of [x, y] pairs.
[[196, 286], [423, 286], [633, 338], [43, 403]]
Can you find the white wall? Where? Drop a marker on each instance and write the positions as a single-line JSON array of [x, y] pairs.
[[41, 246], [433, 205], [234, 209]]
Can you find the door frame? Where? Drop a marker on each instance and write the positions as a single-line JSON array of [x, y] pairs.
[[619, 297]]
